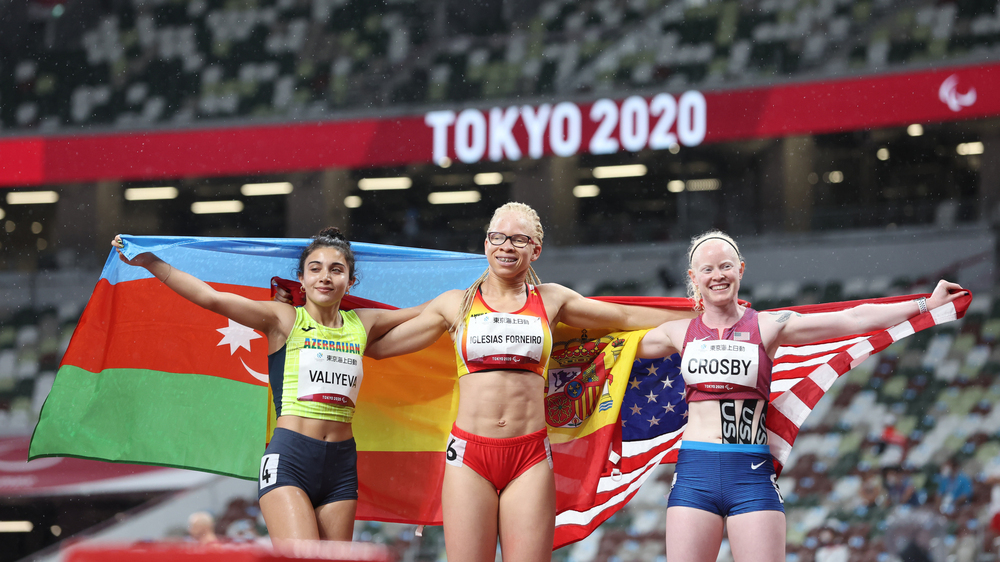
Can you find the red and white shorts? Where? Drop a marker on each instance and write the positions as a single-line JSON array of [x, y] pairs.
[[498, 460]]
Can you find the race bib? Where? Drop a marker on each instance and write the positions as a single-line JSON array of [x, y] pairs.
[[328, 376], [501, 338], [720, 365]]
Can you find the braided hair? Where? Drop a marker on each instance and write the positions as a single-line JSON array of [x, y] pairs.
[[537, 233]]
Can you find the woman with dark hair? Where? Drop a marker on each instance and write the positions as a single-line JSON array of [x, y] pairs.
[[725, 474], [308, 482]]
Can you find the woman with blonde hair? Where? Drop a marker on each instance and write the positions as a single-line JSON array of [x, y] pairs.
[[725, 473], [498, 481]]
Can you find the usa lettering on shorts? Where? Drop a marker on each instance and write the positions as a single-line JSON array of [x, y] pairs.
[[455, 453], [268, 470], [720, 366], [503, 337]]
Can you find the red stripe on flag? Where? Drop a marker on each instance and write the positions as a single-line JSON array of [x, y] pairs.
[[148, 326], [400, 487], [922, 322], [808, 392]]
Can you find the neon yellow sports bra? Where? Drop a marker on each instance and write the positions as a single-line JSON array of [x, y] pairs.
[[318, 372]]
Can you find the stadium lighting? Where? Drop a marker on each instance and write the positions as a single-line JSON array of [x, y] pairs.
[[352, 201], [2, 214], [835, 176], [969, 148], [16, 526], [707, 184], [31, 197], [380, 184], [882, 154], [586, 191], [216, 207], [915, 130], [453, 197], [675, 186], [626, 171], [255, 189], [150, 193], [488, 178]]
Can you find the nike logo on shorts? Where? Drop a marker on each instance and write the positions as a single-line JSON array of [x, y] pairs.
[[756, 466]]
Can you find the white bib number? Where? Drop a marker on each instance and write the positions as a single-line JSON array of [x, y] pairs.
[[502, 337], [720, 365], [331, 377]]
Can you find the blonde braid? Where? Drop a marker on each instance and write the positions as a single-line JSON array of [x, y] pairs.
[[533, 277], [467, 298]]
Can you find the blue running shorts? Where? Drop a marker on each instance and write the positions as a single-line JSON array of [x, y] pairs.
[[725, 479], [327, 472]]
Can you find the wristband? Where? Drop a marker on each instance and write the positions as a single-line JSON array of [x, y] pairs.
[[922, 304]]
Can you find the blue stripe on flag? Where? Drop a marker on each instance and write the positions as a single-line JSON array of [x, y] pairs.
[[390, 274]]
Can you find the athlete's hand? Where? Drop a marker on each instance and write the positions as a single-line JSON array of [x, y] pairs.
[[282, 295], [944, 293], [142, 260]]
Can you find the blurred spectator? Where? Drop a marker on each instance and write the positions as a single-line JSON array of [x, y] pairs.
[[201, 527], [899, 487], [872, 492], [954, 488]]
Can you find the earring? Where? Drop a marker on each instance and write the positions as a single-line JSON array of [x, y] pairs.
[[302, 288]]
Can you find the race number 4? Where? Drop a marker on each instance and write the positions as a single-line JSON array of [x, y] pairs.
[[268, 470]]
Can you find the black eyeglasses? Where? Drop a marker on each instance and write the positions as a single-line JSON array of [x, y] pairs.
[[498, 238]]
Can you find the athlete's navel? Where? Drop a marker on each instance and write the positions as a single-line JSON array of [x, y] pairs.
[[502, 423]]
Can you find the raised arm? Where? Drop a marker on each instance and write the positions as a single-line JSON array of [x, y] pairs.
[[419, 331], [785, 327], [265, 316], [580, 312], [378, 321], [663, 340]]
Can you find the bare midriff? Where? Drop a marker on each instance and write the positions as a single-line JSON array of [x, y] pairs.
[[324, 430], [501, 404]]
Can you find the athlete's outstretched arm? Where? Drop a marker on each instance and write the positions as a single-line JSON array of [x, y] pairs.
[[258, 315], [419, 331], [657, 343], [792, 328], [378, 321], [581, 312]]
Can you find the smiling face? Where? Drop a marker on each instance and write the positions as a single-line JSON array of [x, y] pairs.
[[326, 276], [505, 260], [716, 271]]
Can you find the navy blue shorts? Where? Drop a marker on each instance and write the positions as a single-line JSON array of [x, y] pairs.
[[725, 479], [327, 472]]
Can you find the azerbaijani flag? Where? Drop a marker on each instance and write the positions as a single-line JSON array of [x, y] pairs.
[[151, 378]]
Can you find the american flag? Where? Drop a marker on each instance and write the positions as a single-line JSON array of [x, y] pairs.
[[653, 411]]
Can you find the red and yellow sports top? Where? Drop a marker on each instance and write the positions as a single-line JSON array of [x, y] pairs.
[[489, 340]]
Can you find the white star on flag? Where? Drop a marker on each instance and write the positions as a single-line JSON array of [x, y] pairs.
[[668, 382], [651, 397], [237, 335]]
